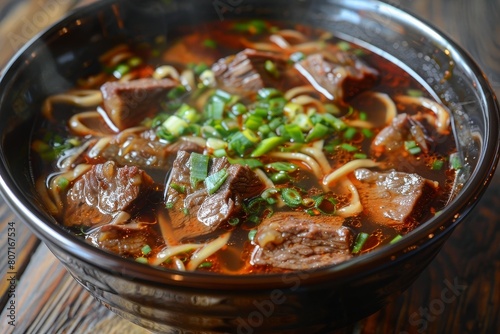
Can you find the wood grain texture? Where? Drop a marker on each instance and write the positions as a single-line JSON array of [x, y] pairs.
[[458, 293]]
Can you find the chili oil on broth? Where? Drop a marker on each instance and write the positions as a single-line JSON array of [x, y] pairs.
[[59, 148]]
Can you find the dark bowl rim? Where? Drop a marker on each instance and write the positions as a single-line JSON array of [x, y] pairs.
[[437, 227]]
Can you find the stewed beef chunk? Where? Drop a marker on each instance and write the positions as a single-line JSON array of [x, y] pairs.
[[298, 241], [123, 240], [195, 212], [338, 76], [246, 71], [394, 198], [129, 102], [391, 139], [104, 191]]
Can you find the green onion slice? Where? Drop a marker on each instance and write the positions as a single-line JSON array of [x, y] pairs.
[[291, 197], [198, 167], [215, 181], [360, 241]]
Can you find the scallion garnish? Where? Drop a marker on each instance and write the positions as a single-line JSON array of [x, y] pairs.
[[216, 180], [178, 187], [266, 146], [455, 161], [198, 167], [271, 68], [348, 147], [395, 239], [282, 166], [437, 164], [291, 197], [146, 249], [319, 131], [360, 241], [349, 133], [294, 133]]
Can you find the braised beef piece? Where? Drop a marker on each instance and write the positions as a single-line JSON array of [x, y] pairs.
[[146, 151], [403, 127], [338, 76], [127, 242], [127, 103], [245, 72], [104, 191], [298, 241], [394, 198], [196, 213]]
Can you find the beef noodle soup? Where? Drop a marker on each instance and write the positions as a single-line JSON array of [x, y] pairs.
[[244, 147]]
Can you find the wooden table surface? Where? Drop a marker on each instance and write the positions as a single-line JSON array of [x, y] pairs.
[[48, 300]]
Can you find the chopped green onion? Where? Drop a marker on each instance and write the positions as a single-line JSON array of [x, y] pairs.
[[120, 70], [267, 93], [233, 221], [303, 122], [206, 264], [367, 133], [414, 92], [395, 239], [363, 116], [62, 183], [359, 156], [239, 109], [253, 122], [175, 125], [251, 163], [325, 205], [291, 197], [294, 132], [210, 43], [348, 147], [282, 166], [198, 166], [142, 260], [344, 46], [280, 177], [198, 69], [410, 144], [349, 133], [251, 234], [317, 132], [146, 249], [134, 61], [181, 189], [415, 150], [223, 95], [266, 146], [176, 92], [240, 142], [271, 68], [334, 122], [216, 180], [214, 109], [188, 113], [455, 161], [169, 205], [437, 165], [360, 241]]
